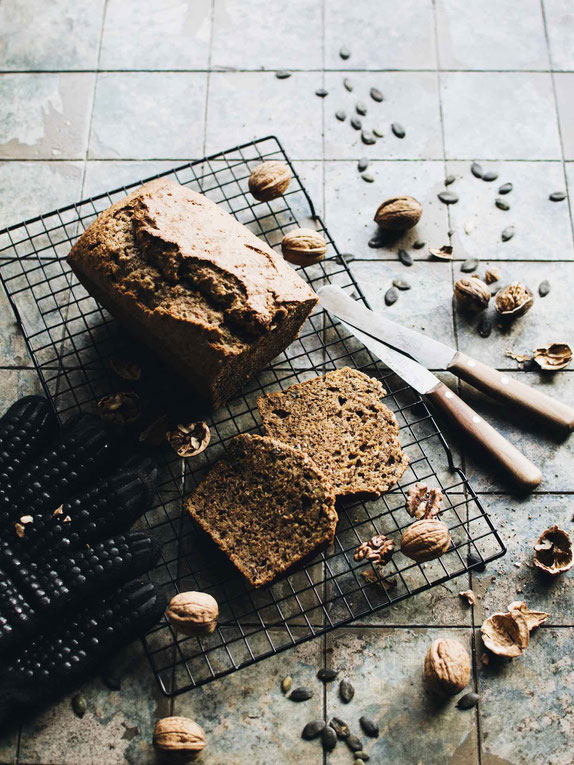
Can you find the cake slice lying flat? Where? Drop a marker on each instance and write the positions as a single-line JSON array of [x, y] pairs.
[[341, 422], [266, 505]]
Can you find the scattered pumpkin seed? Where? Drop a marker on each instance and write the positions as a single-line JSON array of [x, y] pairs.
[[348, 84], [398, 130], [340, 727], [476, 170], [508, 233], [391, 296], [313, 729], [356, 123], [419, 244], [375, 242], [328, 738], [354, 743], [468, 701], [544, 288], [346, 691], [357, 762], [79, 705], [489, 176], [379, 133], [449, 179], [469, 265], [362, 756], [345, 53], [376, 95], [369, 726], [282, 75], [368, 177], [361, 108], [473, 559], [557, 196], [506, 188], [405, 257], [400, 284], [301, 694], [325, 674], [502, 204], [368, 138], [484, 328], [341, 115], [321, 92], [362, 164], [468, 227], [286, 684], [448, 197]]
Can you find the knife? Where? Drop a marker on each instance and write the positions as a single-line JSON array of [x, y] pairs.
[[521, 470], [435, 355]]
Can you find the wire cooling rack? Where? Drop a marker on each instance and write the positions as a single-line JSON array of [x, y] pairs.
[[71, 340]]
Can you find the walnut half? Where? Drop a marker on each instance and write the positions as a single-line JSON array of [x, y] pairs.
[[553, 551], [377, 550]]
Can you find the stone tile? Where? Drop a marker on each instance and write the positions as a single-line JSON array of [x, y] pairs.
[[247, 105], [491, 35], [172, 36], [60, 35], [491, 115], [13, 350], [550, 318], [148, 115], [526, 704], [351, 205], [28, 189], [564, 93], [9, 747], [420, 116], [560, 27], [359, 26], [105, 175], [551, 453], [246, 717], [514, 577], [543, 229], [385, 666], [117, 727], [16, 383], [45, 116], [241, 44]]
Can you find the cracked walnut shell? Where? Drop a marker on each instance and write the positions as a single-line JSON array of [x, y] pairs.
[[269, 180], [472, 294], [447, 667], [513, 301], [423, 502], [398, 213], [303, 246], [179, 739], [553, 357], [426, 539], [189, 440], [193, 613], [508, 634], [553, 551]]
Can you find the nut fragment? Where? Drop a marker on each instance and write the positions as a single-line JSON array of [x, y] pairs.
[[447, 667], [472, 293], [179, 738], [469, 596], [120, 408], [508, 634], [269, 180], [553, 357], [423, 502], [425, 540], [553, 551], [533, 618], [193, 613], [398, 213], [443, 253], [303, 246], [125, 368], [377, 550], [491, 275], [189, 440], [513, 300]]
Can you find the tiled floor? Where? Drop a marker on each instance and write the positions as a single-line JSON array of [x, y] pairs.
[[98, 92]]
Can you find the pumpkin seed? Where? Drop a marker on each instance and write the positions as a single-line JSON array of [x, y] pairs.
[[362, 164], [371, 728], [557, 196], [368, 177], [301, 694], [328, 739], [79, 705], [476, 170], [379, 133], [405, 257], [400, 284], [286, 684], [501, 204], [508, 233], [326, 675], [391, 296], [544, 288], [357, 762], [356, 123], [360, 108], [398, 130], [469, 265], [340, 727], [484, 330], [354, 743], [345, 53], [376, 95], [489, 176], [473, 559], [448, 197], [368, 138], [348, 84], [419, 244], [375, 243], [283, 75], [346, 690], [313, 729], [468, 701], [506, 188], [321, 92], [341, 115], [449, 179], [362, 756]]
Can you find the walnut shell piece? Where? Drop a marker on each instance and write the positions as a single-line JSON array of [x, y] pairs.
[[189, 440], [193, 613], [533, 618], [179, 739], [423, 502], [553, 551], [122, 408], [447, 667], [398, 213], [269, 180], [553, 357], [426, 539], [303, 246], [513, 301], [472, 294], [491, 275]]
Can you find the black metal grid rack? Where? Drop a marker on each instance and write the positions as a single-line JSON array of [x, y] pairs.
[[71, 340]]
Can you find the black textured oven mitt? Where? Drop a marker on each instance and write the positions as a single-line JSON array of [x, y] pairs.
[[66, 557]]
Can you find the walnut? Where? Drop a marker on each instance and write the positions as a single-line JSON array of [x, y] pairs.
[[472, 294], [179, 739], [398, 213], [553, 551], [553, 357], [425, 540], [269, 180], [126, 369], [193, 613], [189, 440], [423, 502], [377, 550], [447, 667], [508, 634], [120, 408], [491, 275], [513, 301], [303, 246]]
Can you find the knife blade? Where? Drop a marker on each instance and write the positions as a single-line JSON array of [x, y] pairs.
[[436, 355]]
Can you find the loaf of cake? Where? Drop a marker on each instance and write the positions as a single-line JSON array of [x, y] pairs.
[[340, 421], [193, 284], [266, 505]]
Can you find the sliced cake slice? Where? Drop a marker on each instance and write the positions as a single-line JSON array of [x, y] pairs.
[[341, 422], [266, 505]]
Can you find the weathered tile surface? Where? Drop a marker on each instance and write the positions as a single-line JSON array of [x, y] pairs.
[[564, 90], [560, 26]]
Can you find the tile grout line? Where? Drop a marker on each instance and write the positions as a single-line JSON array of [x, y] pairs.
[[208, 79], [237, 70]]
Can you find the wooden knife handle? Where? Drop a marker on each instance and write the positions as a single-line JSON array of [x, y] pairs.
[[521, 470], [520, 396]]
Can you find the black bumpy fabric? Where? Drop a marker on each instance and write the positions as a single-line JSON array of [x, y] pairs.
[[66, 557]]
